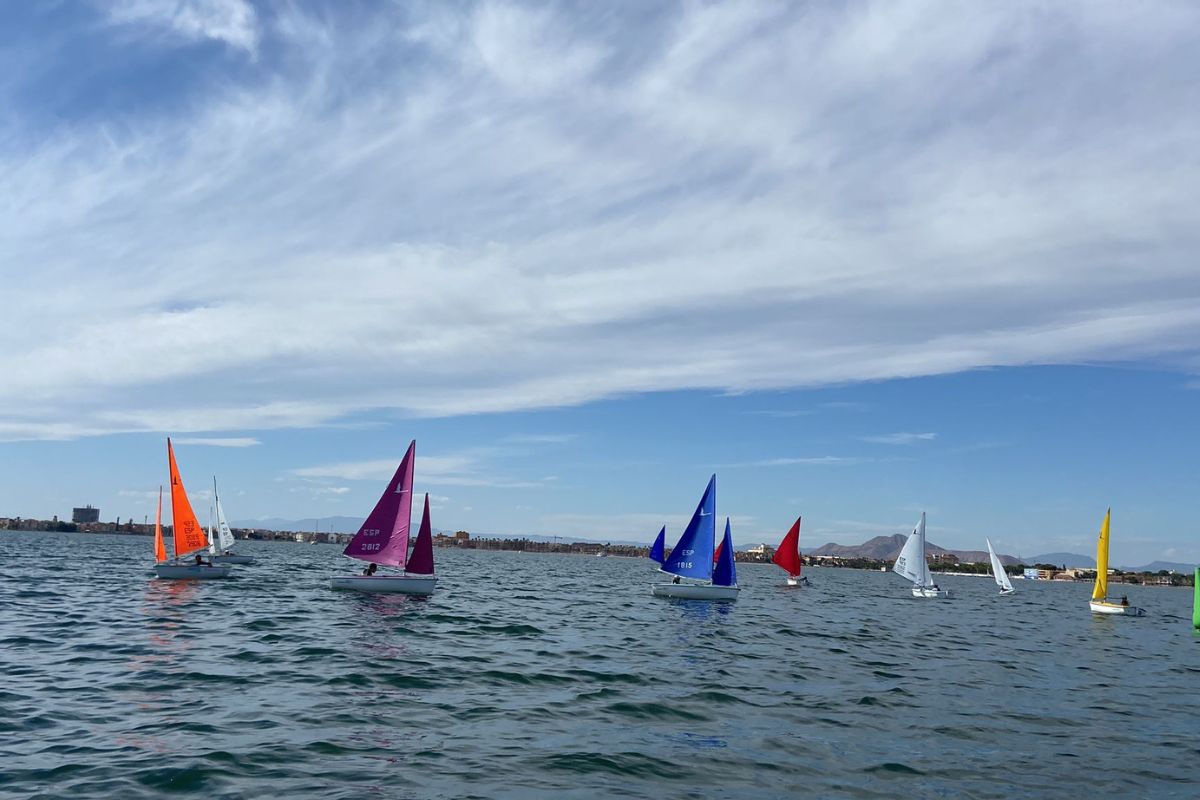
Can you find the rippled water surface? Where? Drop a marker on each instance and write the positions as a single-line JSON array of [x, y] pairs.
[[559, 676]]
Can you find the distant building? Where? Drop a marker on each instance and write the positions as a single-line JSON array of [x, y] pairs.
[[85, 514], [1033, 574]]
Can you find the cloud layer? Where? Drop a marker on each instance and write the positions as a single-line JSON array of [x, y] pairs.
[[515, 207]]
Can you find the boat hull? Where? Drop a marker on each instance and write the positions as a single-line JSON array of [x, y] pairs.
[[693, 591], [1007, 592], [801, 581], [232, 559], [395, 584], [191, 572], [1101, 607], [929, 591]]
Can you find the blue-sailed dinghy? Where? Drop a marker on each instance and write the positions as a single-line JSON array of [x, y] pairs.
[[692, 557]]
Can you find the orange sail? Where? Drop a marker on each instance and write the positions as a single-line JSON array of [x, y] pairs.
[[189, 536], [788, 554], [160, 549]]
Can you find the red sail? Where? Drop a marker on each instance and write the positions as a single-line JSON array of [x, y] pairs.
[[788, 554]]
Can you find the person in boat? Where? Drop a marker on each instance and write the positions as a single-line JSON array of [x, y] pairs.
[[200, 562], [675, 579], [1124, 599], [370, 570]]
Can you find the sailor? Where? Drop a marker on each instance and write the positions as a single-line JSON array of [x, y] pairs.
[[200, 562], [369, 571]]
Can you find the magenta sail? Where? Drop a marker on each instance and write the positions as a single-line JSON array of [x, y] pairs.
[[383, 538], [421, 562]]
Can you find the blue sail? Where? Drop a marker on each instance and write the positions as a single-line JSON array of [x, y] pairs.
[[693, 555], [725, 574], [656, 549]]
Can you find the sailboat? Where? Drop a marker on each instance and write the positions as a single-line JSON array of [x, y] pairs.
[[787, 556], [692, 557], [1099, 602], [998, 573], [189, 536], [911, 564], [383, 540], [221, 538]]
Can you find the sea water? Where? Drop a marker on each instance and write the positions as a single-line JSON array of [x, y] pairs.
[[554, 676]]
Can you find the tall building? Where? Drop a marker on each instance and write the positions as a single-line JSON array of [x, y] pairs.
[[85, 514]]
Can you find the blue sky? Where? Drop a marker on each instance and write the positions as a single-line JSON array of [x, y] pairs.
[[860, 259]]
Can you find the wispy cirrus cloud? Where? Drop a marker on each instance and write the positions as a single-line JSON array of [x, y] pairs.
[[454, 470], [899, 438], [526, 206], [217, 441], [232, 22]]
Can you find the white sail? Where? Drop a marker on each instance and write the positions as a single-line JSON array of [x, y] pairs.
[[998, 570], [911, 561], [224, 535]]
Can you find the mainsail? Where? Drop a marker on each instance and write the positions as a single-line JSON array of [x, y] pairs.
[[725, 573], [1100, 590], [189, 536], [692, 557], [998, 569], [383, 537], [421, 561], [788, 554], [911, 561], [224, 535]]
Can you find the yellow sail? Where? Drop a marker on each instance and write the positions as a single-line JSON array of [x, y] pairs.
[[1101, 589]]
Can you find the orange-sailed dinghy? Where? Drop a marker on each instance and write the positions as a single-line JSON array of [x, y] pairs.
[[188, 535]]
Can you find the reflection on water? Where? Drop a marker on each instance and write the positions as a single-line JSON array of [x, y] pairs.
[[561, 677]]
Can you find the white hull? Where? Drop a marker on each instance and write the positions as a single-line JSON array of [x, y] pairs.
[[1007, 592], [694, 591], [801, 581], [190, 572], [929, 591], [398, 584], [232, 559], [1101, 607]]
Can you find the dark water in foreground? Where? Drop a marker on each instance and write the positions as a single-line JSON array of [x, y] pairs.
[[560, 677]]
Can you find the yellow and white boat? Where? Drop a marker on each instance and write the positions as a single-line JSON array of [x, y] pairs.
[[1100, 604]]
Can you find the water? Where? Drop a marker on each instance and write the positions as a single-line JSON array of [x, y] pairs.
[[560, 677]]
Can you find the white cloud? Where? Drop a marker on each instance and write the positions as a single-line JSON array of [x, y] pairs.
[[417, 212], [230, 21], [236, 441], [900, 438], [466, 469]]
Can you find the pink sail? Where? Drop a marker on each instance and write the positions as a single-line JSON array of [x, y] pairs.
[[383, 538], [421, 562]]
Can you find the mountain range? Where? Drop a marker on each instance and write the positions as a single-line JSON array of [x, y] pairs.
[[886, 548]]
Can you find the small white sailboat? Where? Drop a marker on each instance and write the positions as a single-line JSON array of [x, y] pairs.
[[998, 573], [383, 541], [1100, 604], [188, 535], [220, 539], [911, 564], [693, 557]]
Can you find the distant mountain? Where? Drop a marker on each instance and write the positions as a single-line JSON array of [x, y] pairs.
[[1059, 559], [1169, 566], [886, 548]]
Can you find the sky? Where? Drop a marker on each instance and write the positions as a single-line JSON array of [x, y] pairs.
[[860, 259]]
